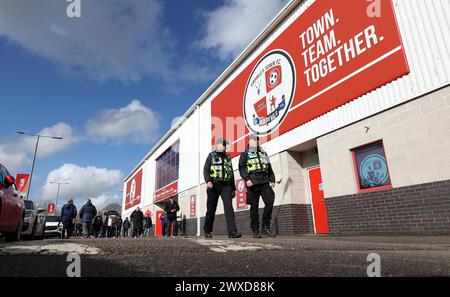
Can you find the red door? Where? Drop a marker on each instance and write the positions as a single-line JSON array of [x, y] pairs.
[[318, 202], [158, 229]]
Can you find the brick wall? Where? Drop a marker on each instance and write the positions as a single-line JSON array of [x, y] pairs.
[[418, 209], [416, 138], [286, 220]]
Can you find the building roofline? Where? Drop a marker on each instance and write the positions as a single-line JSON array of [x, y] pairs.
[[288, 8]]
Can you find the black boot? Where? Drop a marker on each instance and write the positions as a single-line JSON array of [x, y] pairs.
[[208, 235], [256, 234], [235, 235], [267, 232]]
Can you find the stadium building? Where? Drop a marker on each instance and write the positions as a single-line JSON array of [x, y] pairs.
[[352, 103]]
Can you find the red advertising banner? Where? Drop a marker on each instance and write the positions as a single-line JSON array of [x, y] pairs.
[[166, 192], [330, 55], [193, 206], [22, 181], [241, 194], [51, 209], [133, 190]]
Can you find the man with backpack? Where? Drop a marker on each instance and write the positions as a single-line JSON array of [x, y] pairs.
[[126, 227], [97, 225]]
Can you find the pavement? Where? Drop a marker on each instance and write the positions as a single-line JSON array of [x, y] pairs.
[[283, 256]]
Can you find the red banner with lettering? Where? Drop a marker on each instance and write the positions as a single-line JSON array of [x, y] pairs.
[[166, 192], [133, 190], [193, 206], [241, 194], [331, 54]]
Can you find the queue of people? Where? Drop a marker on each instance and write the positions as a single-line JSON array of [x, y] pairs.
[[93, 224], [254, 167]]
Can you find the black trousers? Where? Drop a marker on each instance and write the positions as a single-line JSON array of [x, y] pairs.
[[67, 228], [223, 191], [97, 230], [183, 224], [181, 228], [171, 222], [137, 231], [268, 196]]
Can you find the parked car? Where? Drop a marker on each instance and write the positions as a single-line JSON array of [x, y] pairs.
[[52, 226], [12, 207], [34, 221]]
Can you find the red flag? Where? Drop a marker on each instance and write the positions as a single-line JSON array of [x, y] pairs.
[[50, 208], [22, 181]]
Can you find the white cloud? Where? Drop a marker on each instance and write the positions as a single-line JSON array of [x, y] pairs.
[[17, 152], [12, 158], [103, 200], [135, 123], [231, 27], [113, 39], [49, 146], [100, 184]]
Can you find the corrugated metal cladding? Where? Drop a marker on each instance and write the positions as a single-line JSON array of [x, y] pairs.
[[425, 31]]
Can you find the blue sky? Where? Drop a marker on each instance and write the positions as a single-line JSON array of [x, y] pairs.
[[110, 82]]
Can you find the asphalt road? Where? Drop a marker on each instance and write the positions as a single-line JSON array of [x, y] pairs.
[[198, 257]]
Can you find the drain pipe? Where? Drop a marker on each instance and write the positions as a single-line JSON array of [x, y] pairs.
[[197, 202]]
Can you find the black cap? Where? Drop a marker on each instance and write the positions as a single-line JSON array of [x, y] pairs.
[[223, 141]]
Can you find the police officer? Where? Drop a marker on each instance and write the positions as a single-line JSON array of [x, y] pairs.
[[256, 170], [219, 176]]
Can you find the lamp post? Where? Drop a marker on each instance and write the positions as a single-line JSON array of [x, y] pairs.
[[57, 192], [38, 137]]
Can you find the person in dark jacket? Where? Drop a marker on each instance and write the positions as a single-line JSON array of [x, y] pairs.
[[148, 224], [171, 209], [105, 218], [126, 226], [78, 229], [219, 177], [183, 224], [87, 214], [118, 226], [137, 218], [256, 170], [97, 225], [163, 221], [68, 214]]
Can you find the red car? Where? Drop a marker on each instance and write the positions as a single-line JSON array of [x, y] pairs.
[[12, 207]]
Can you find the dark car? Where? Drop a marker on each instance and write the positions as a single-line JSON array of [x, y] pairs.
[[34, 221], [12, 207]]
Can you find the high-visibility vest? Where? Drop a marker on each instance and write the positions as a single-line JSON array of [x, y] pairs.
[[221, 168], [257, 161]]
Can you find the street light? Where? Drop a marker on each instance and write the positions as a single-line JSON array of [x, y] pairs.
[[38, 136], [57, 192]]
